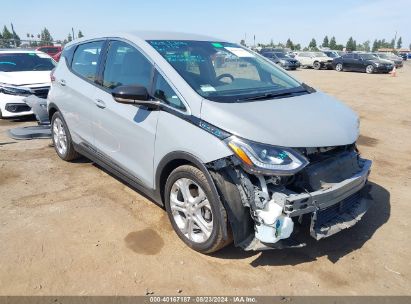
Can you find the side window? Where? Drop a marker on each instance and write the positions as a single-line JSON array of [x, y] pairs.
[[85, 59], [356, 56], [125, 65], [349, 56], [164, 92]]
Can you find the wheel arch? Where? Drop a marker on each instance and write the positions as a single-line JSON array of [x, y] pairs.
[[52, 108], [176, 159]]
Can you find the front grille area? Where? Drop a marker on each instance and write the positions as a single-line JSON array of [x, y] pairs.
[[326, 215], [17, 107], [40, 92]]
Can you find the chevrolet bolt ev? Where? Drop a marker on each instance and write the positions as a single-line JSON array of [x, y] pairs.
[[237, 151]]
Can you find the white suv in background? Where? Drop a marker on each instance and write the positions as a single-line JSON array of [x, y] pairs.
[[315, 60], [22, 73]]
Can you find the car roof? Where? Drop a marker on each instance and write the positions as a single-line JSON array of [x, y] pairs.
[[151, 35]]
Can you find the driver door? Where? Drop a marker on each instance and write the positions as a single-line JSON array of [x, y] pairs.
[[124, 134]]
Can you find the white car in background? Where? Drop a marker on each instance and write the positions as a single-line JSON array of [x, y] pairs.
[[22, 73], [315, 60]]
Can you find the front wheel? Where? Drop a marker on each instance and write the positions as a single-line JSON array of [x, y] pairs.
[[369, 69], [316, 65], [196, 218], [339, 67]]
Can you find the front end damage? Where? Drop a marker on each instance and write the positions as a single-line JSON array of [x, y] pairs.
[[264, 209]]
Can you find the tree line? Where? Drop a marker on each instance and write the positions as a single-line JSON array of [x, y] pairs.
[[331, 43], [9, 38]]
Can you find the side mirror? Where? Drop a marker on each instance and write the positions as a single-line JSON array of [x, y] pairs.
[[134, 94]]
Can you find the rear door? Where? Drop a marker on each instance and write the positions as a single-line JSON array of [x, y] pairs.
[[348, 61], [74, 94], [357, 63], [124, 134]]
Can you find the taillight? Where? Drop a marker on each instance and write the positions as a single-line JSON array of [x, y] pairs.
[[52, 78]]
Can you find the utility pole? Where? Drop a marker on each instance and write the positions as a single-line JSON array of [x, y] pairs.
[[72, 30], [254, 40], [14, 35], [395, 40]]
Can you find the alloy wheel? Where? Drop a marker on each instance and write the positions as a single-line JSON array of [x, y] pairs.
[[59, 136], [191, 210]]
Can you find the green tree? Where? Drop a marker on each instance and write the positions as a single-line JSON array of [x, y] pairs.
[[7, 37], [374, 46], [333, 44], [80, 34], [392, 44], [242, 42], [297, 47], [326, 42], [399, 43], [365, 46], [69, 38], [312, 45], [351, 44], [289, 44], [45, 37]]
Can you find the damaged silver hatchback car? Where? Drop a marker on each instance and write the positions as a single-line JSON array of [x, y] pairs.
[[231, 145]]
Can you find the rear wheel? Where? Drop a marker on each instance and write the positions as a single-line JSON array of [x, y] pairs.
[[339, 67], [369, 69], [61, 138], [196, 218], [316, 65]]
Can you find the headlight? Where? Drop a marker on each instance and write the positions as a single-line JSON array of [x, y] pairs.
[[283, 61], [12, 90], [262, 158], [377, 64]]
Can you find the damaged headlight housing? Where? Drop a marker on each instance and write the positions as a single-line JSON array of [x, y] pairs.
[[266, 159]]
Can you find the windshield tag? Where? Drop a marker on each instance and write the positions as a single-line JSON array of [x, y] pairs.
[[207, 88], [239, 52]]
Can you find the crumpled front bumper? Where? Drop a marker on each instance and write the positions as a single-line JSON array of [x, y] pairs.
[[335, 208]]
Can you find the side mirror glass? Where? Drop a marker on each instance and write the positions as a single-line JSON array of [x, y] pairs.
[[134, 94]]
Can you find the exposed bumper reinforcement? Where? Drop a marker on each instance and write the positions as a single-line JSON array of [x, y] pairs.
[[343, 215]]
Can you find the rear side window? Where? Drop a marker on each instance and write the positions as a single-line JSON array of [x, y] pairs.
[[164, 92], [85, 59], [125, 65]]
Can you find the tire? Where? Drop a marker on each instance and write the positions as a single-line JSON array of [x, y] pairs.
[[369, 69], [59, 131], [316, 65], [187, 216], [339, 67], [1, 115]]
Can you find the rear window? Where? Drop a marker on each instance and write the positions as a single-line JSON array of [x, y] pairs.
[[22, 62]]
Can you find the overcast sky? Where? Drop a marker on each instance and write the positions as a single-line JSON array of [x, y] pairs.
[[231, 19]]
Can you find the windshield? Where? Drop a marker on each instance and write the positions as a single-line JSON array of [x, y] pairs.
[[22, 62], [384, 56], [319, 54], [367, 56], [225, 72], [331, 54], [281, 55]]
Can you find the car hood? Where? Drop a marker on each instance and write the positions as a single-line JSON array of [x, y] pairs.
[[311, 120], [25, 78]]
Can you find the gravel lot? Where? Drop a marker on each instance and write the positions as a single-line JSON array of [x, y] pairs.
[[72, 229]]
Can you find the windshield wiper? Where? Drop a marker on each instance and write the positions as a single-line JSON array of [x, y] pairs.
[[272, 95]]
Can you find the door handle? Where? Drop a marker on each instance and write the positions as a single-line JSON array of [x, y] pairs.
[[62, 82], [99, 103]]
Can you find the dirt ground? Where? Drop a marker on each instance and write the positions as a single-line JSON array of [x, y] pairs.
[[72, 229]]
